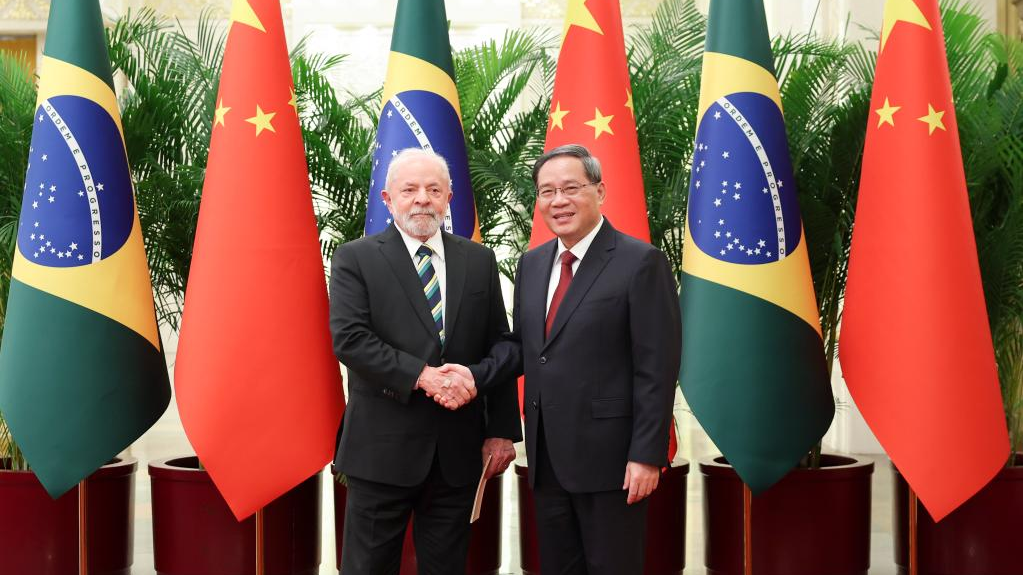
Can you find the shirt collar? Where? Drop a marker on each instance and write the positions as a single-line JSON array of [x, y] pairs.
[[582, 246], [436, 243]]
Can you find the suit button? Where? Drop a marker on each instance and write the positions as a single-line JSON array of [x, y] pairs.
[[543, 359], [535, 406]]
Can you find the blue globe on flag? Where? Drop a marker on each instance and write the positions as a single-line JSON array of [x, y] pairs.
[[78, 207], [743, 207]]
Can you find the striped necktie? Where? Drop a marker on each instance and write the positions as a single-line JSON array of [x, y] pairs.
[[431, 287]]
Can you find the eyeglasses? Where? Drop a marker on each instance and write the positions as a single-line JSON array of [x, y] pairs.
[[569, 191]]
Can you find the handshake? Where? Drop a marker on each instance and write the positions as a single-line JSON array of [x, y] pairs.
[[450, 385]]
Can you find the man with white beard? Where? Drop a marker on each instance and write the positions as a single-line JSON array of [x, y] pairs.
[[402, 303]]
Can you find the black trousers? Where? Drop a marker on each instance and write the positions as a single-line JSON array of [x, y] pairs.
[[585, 533], [376, 515]]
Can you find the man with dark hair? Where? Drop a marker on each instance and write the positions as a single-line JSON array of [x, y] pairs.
[[403, 302], [597, 332]]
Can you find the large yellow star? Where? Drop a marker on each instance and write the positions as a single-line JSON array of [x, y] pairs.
[[600, 124], [628, 102], [901, 11], [220, 113], [887, 114], [557, 116], [579, 15], [262, 121], [293, 102], [242, 13], [933, 119]]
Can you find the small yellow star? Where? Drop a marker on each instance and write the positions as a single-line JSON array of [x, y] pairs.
[[557, 116], [578, 14], [600, 124], [901, 11], [220, 113], [628, 102], [293, 102], [262, 121], [887, 114], [932, 119], [242, 13]]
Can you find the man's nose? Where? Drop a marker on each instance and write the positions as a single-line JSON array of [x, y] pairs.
[[422, 196]]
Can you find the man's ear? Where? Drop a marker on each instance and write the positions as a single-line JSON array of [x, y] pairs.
[[387, 199]]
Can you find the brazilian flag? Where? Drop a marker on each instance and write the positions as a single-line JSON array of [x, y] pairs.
[[753, 368], [82, 372], [419, 109]]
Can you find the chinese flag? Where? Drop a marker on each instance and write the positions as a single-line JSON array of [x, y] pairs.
[[915, 344], [592, 106], [257, 384]]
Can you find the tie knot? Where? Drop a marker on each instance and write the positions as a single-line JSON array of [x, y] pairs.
[[568, 258], [424, 251]]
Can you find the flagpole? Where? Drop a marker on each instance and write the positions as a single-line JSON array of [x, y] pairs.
[[747, 530], [914, 567], [83, 513], [260, 556]]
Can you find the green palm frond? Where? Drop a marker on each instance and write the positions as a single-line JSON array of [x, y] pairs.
[[666, 58], [503, 90]]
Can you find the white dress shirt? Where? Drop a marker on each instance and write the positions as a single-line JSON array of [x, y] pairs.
[[579, 250], [435, 243]]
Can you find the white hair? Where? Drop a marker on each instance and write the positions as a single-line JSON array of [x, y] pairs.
[[409, 154]]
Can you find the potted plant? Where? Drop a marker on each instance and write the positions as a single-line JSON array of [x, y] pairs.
[[978, 538], [39, 535], [168, 102], [825, 93]]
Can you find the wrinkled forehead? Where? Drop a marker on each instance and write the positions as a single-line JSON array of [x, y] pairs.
[[420, 173]]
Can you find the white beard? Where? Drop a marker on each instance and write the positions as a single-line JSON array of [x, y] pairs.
[[416, 227]]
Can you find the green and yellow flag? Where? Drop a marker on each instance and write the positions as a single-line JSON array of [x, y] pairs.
[[753, 368], [82, 371], [420, 109]]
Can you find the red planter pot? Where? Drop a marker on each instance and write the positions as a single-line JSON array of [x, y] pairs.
[[665, 524], [811, 522], [195, 533], [484, 543], [982, 537], [39, 535]]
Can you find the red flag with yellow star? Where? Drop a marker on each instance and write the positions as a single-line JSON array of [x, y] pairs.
[[915, 344], [592, 106], [257, 384]]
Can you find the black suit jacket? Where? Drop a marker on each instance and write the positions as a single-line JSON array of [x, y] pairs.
[[605, 379], [385, 335]]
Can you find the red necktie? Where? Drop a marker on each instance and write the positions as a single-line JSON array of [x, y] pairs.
[[567, 259]]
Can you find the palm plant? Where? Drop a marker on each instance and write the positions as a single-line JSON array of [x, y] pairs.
[[505, 125], [825, 101], [987, 82], [17, 105], [168, 104]]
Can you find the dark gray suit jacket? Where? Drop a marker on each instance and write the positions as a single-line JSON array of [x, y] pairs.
[[385, 335], [604, 381]]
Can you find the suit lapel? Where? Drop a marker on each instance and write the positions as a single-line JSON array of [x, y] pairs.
[[596, 259], [394, 251], [455, 264]]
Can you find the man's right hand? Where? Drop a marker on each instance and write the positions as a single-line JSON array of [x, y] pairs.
[[448, 388]]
